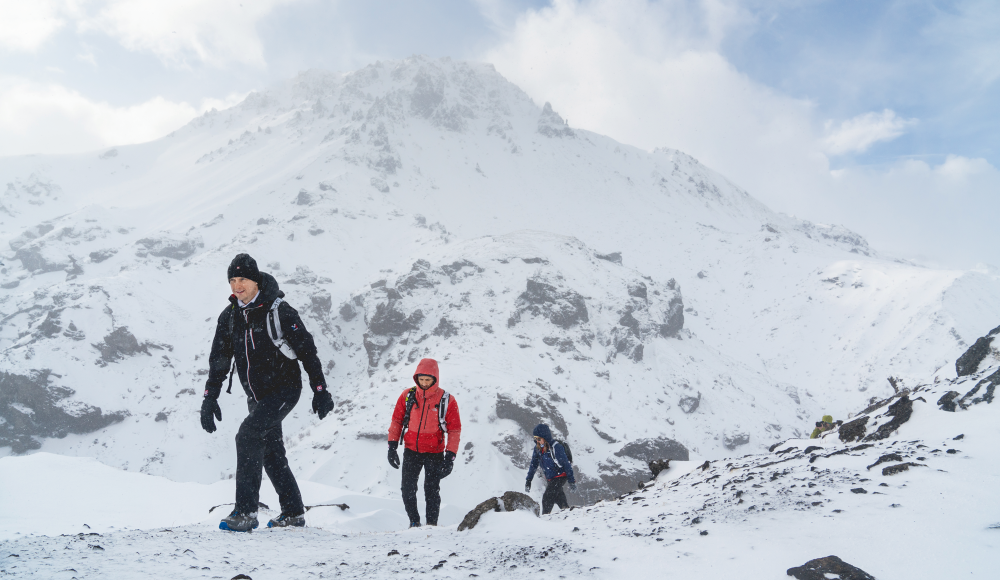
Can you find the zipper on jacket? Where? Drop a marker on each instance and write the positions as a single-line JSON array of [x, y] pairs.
[[423, 411], [246, 331]]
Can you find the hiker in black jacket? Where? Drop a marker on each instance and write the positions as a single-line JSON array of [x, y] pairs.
[[272, 382]]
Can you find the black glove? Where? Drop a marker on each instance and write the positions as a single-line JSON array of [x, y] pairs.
[[448, 465], [322, 402], [527, 486], [572, 486], [393, 456], [209, 407]]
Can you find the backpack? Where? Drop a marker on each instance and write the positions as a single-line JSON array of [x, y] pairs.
[[552, 453], [411, 400], [274, 332]]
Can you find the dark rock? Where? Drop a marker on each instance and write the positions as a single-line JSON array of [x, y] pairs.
[[445, 328], [853, 431], [120, 344], [322, 302], [660, 448], [811, 448], [689, 404], [347, 312], [535, 410], [562, 307], [959, 437], [859, 490], [101, 255], [472, 518], [550, 124], [703, 532], [514, 501], [674, 320], [947, 401], [885, 458], [161, 416], [30, 407], [32, 259], [168, 248], [241, 577], [734, 440], [461, 269], [900, 411], [389, 320], [829, 567], [894, 469], [637, 290], [420, 276], [968, 363], [613, 257], [513, 447], [658, 465], [990, 382], [304, 198]]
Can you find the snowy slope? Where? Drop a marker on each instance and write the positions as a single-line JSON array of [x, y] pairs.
[[337, 182], [749, 517]]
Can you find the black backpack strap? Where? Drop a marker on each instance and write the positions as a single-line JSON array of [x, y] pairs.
[[411, 400]]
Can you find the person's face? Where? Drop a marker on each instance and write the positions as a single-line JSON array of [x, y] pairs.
[[243, 288], [540, 441], [425, 382]]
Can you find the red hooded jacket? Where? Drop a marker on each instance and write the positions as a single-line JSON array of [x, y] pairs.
[[424, 434]]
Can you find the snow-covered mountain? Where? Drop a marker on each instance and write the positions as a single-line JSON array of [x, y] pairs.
[[637, 301]]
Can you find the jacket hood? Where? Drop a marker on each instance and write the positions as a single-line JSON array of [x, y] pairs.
[[269, 290], [542, 430], [827, 418], [426, 366]]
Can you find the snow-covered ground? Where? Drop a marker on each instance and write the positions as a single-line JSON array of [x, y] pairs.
[[749, 517]]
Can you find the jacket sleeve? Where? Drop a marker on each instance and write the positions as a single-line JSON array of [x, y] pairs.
[[396, 425], [454, 423], [815, 433], [563, 461], [221, 356], [302, 343], [534, 463]]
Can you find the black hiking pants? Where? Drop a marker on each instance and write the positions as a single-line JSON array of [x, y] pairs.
[[259, 445], [431, 463], [554, 495]]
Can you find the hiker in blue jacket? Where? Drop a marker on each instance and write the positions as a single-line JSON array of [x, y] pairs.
[[555, 466]]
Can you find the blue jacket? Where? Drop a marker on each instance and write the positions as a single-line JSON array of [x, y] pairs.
[[558, 467]]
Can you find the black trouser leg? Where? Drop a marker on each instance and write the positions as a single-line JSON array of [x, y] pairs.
[[411, 472], [259, 446], [432, 486], [554, 495], [413, 462]]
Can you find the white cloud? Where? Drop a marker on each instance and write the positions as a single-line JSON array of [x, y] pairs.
[[26, 24], [181, 31], [49, 118], [653, 74], [858, 134]]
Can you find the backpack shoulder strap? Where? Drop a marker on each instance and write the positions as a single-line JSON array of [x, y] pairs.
[[411, 399], [274, 332], [552, 453], [442, 411]]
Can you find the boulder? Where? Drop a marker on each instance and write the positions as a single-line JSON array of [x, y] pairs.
[[510, 501], [968, 363]]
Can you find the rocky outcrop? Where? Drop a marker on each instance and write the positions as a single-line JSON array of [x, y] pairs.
[[562, 307], [968, 363], [826, 568], [646, 450], [31, 408]]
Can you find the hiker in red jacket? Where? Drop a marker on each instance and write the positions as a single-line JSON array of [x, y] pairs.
[[423, 415]]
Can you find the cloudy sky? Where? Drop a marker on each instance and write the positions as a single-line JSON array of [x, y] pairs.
[[878, 115]]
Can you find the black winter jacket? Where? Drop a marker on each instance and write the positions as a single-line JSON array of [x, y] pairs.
[[262, 369]]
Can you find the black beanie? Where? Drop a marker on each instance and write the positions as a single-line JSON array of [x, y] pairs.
[[243, 266]]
